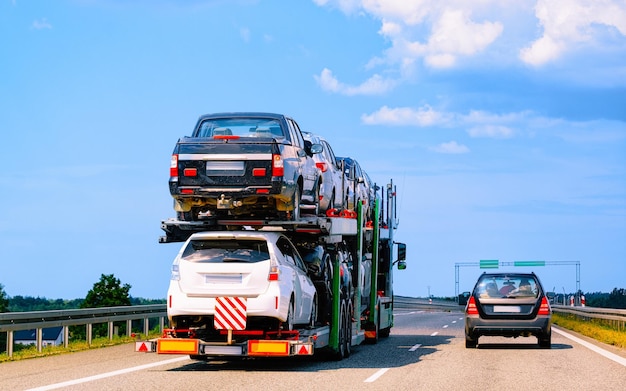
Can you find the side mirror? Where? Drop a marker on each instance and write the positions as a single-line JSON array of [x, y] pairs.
[[316, 148], [401, 251]]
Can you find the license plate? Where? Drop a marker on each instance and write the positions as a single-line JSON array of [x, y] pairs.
[[507, 308], [225, 168], [223, 278]]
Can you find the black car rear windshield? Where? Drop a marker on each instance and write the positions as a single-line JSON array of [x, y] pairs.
[[242, 127], [226, 250], [507, 285]]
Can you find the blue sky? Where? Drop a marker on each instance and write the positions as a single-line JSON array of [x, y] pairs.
[[502, 123]]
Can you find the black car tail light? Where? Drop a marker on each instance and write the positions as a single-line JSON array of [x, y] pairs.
[[544, 307], [174, 166], [471, 308], [278, 168]]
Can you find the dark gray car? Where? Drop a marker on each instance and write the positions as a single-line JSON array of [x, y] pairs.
[[508, 305], [250, 165]]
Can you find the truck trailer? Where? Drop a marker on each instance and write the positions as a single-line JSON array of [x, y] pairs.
[[350, 261]]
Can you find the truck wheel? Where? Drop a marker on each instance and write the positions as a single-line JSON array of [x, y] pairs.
[[348, 332], [340, 354]]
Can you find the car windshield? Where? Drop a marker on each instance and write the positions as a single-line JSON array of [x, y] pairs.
[[221, 250], [507, 285], [242, 127]]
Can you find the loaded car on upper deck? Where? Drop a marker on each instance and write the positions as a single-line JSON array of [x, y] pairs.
[[244, 165], [333, 183], [360, 188]]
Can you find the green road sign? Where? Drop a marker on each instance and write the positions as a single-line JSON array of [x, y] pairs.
[[529, 263], [489, 263]]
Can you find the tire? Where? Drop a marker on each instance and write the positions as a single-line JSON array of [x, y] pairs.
[[545, 341], [348, 331], [288, 324], [316, 200], [340, 354], [470, 343], [295, 213], [314, 313], [331, 202]]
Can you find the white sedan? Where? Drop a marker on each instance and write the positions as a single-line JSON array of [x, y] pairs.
[[263, 267]]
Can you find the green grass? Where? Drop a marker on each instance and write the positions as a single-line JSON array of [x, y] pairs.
[[597, 329], [25, 352]]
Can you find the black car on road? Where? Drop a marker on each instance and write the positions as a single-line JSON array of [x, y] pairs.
[[508, 305]]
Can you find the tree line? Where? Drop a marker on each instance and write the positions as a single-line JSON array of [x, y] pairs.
[[107, 292]]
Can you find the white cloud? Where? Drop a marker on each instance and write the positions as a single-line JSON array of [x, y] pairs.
[[567, 23], [451, 147], [441, 35], [374, 85], [455, 34], [41, 24], [491, 131], [422, 117], [481, 123]]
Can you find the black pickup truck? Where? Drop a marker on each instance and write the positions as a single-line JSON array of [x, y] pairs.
[[244, 165]]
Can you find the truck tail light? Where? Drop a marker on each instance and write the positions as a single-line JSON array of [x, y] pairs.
[[471, 308], [322, 166], [278, 168], [544, 308], [174, 166]]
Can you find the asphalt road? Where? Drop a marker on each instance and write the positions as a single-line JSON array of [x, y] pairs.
[[425, 351]]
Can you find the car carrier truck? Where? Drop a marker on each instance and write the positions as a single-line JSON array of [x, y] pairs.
[[356, 303]]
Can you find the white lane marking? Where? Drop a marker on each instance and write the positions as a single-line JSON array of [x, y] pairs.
[[454, 321], [415, 347], [445, 326], [435, 333], [375, 376], [599, 350], [108, 374]]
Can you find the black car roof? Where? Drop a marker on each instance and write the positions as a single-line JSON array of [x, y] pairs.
[[243, 114]]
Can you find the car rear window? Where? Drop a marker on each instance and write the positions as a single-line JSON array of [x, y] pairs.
[[226, 250], [242, 127], [497, 286]]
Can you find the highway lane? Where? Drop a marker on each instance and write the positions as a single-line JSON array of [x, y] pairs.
[[425, 351]]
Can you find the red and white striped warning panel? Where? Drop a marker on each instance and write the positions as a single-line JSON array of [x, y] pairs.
[[230, 313]]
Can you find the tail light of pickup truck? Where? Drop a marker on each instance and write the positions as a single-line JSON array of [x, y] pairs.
[[278, 168], [174, 166]]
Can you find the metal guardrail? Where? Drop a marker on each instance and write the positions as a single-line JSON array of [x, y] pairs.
[[616, 316], [39, 320]]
